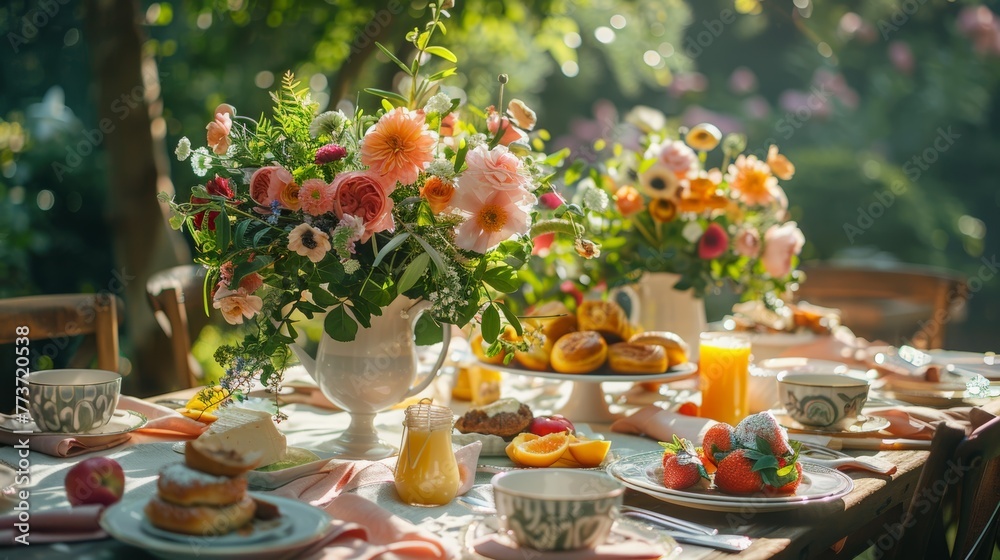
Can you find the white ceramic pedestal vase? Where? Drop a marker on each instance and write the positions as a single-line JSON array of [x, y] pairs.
[[657, 306], [375, 371]]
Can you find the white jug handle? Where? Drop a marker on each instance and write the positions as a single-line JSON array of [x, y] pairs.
[[634, 316], [415, 312]]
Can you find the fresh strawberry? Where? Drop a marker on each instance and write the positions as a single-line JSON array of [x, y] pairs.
[[787, 487], [762, 426], [718, 441], [682, 466], [736, 474]]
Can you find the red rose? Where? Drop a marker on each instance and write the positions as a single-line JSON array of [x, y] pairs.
[[219, 186]]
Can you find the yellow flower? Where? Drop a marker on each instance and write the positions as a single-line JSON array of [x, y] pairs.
[[659, 181], [662, 210], [704, 137], [779, 164]]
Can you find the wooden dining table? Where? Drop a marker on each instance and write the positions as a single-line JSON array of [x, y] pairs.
[[847, 525]]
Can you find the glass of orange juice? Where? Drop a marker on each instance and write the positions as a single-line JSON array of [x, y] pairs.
[[724, 366], [427, 471]]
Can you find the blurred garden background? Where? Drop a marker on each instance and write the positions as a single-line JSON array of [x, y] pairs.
[[889, 110]]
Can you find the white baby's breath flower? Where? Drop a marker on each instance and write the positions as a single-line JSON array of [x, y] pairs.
[[692, 232], [351, 266], [183, 148], [441, 168], [593, 197], [201, 162], [330, 122], [438, 103], [475, 140]]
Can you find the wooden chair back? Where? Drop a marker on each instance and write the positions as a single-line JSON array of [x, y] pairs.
[[176, 297], [979, 515], [901, 304], [61, 317]]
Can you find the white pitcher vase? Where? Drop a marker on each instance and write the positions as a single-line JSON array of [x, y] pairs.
[[657, 306]]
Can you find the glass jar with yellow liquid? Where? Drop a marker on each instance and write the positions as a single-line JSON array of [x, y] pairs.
[[724, 368], [427, 472]]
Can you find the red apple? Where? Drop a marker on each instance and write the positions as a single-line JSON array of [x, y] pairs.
[[98, 480], [544, 425]]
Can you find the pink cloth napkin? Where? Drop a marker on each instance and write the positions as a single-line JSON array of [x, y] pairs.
[[652, 421], [498, 548], [55, 526], [163, 423], [322, 488], [362, 530]]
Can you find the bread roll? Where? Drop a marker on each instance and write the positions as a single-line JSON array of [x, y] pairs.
[[579, 352], [200, 520], [542, 334], [625, 357], [605, 317], [677, 350]]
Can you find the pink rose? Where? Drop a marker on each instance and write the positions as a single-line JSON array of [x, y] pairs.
[[511, 134], [237, 305], [267, 183], [781, 243], [218, 129], [495, 170], [747, 243], [360, 194]]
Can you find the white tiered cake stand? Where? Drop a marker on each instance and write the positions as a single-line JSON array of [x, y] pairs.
[[586, 401]]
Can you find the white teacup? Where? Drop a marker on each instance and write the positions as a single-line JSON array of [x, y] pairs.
[[73, 401], [825, 400], [764, 377]]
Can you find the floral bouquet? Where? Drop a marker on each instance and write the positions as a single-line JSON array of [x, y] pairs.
[[659, 207], [310, 213]]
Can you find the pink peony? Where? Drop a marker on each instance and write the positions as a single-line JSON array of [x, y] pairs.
[[747, 243], [492, 216], [781, 243], [678, 157], [398, 147], [218, 129], [495, 169], [713, 242], [237, 305], [316, 197], [360, 194]]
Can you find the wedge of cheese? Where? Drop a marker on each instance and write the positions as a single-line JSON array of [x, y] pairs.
[[247, 432]]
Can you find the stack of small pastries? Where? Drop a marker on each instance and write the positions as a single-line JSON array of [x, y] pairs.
[[598, 333], [206, 495]]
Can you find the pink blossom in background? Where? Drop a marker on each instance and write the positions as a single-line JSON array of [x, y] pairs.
[[835, 83], [747, 243], [742, 80], [982, 27], [806, 104], [781, 243], [678, 157], [901, 57], [713, 242], [218, 130], [685, 82], [696, 114], [756, 107]]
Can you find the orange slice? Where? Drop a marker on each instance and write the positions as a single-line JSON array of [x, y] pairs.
[[538, 451], [206, 401], [589, 453]]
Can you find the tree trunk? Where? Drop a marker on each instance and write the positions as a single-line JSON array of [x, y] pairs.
[[129, 106]]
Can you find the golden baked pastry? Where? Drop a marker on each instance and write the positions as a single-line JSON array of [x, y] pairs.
[[208, 457], [184, 486], [579, 352], [200, 520], [542, 334], [605, 317], [625, 357], [677, 350], [504, 417]]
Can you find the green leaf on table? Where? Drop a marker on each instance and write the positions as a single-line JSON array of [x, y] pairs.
[[442, 52], [389, 247], [393, 58], [491, 323], [414, 270], [339, 325]]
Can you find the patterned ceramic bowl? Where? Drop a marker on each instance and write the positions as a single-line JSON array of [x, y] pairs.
[[826, 400], [557, 509], [74, 401]]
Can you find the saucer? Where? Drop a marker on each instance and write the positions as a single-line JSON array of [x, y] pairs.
[[257, 531], [122, 422], [625, 532], [863, 425]]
